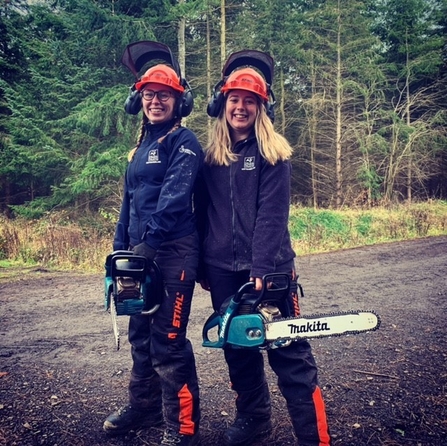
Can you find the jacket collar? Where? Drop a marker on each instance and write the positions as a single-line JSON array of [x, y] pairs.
[[155, 131]]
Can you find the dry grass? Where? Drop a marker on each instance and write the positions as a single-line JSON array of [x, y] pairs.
[[63, 242], [57, 242]]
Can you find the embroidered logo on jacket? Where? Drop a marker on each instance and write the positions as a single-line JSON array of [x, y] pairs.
[[249, 163], [183, 149], [152, 157]]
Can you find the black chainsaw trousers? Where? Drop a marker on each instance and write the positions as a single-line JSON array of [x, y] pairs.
[[163, 375], [294, 366]]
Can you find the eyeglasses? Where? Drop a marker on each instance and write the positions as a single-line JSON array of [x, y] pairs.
[[162, 95]]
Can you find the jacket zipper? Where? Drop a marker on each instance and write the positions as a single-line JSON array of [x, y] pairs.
[[233, 217]]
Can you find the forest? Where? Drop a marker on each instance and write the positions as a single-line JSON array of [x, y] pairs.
[[360, 90]]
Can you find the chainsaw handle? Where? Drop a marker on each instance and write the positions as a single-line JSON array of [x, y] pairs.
[[274, 291], [213, 321], [249, 286], [151, 310], [157, 292]]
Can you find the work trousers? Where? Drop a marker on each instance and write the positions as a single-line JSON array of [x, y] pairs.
[[294, 366], [164, 374]]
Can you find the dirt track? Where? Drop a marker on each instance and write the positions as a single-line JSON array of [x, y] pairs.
[[60, 375]]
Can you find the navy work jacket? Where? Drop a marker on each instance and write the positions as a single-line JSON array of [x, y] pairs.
[[247, 210], [159, 183]]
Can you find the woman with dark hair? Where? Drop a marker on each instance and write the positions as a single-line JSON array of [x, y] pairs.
[[157, 222]]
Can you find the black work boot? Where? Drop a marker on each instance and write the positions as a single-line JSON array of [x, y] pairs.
[[244, 430], [128, 418], [173, 438]]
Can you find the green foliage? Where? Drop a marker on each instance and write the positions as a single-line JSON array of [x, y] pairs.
[[34, 209], [326, 230], [371, 181], [319, 228], [364, 224], [64, 135]]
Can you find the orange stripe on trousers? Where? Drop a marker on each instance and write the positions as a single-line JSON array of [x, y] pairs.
[[186, 408], [320, 410]]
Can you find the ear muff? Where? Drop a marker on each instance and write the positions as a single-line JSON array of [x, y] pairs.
[[215, 105], [133, 101], [270, 105], [186, 100]]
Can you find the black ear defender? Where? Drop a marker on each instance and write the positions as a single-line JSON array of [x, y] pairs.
[[215, 105], [133, 101], [136, 55], [186, 100], [270, 105], [258, 59]]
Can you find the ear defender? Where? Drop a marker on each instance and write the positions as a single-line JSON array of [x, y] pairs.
[[133, 101], [215, 105], [270, 105], [186, 100]]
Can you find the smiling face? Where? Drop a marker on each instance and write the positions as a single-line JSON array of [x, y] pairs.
[[241, 108], [158, 111]]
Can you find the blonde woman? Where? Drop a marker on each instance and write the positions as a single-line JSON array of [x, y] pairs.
[[245, 201]]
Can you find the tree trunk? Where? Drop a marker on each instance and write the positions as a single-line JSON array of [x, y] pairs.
[[181, 43], [282, 103], [223, 31], [407, 111], [313, 138], [209, 84], [338, 149]]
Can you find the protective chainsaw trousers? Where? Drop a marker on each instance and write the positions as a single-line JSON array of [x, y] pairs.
[[294, 366], [164, 373]]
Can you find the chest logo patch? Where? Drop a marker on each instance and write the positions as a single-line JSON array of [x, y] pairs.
[[152, 157], [249, 163]]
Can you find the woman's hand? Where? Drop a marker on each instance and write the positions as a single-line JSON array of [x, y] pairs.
[[204, 284], [258, 283]]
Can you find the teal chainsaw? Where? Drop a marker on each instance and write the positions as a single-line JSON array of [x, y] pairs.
[[252, 319], [132, 285]]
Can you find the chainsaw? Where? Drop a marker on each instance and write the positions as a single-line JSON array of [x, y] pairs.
[[251, 319], [132, 285]]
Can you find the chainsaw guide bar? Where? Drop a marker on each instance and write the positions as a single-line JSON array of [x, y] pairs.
[[321, 325], [116, 331]]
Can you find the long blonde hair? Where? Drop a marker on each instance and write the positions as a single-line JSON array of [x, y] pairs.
[[272, 146], [142, 134]]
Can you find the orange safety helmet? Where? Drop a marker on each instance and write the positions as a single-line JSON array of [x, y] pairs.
[[247, 79], [161, 74]]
